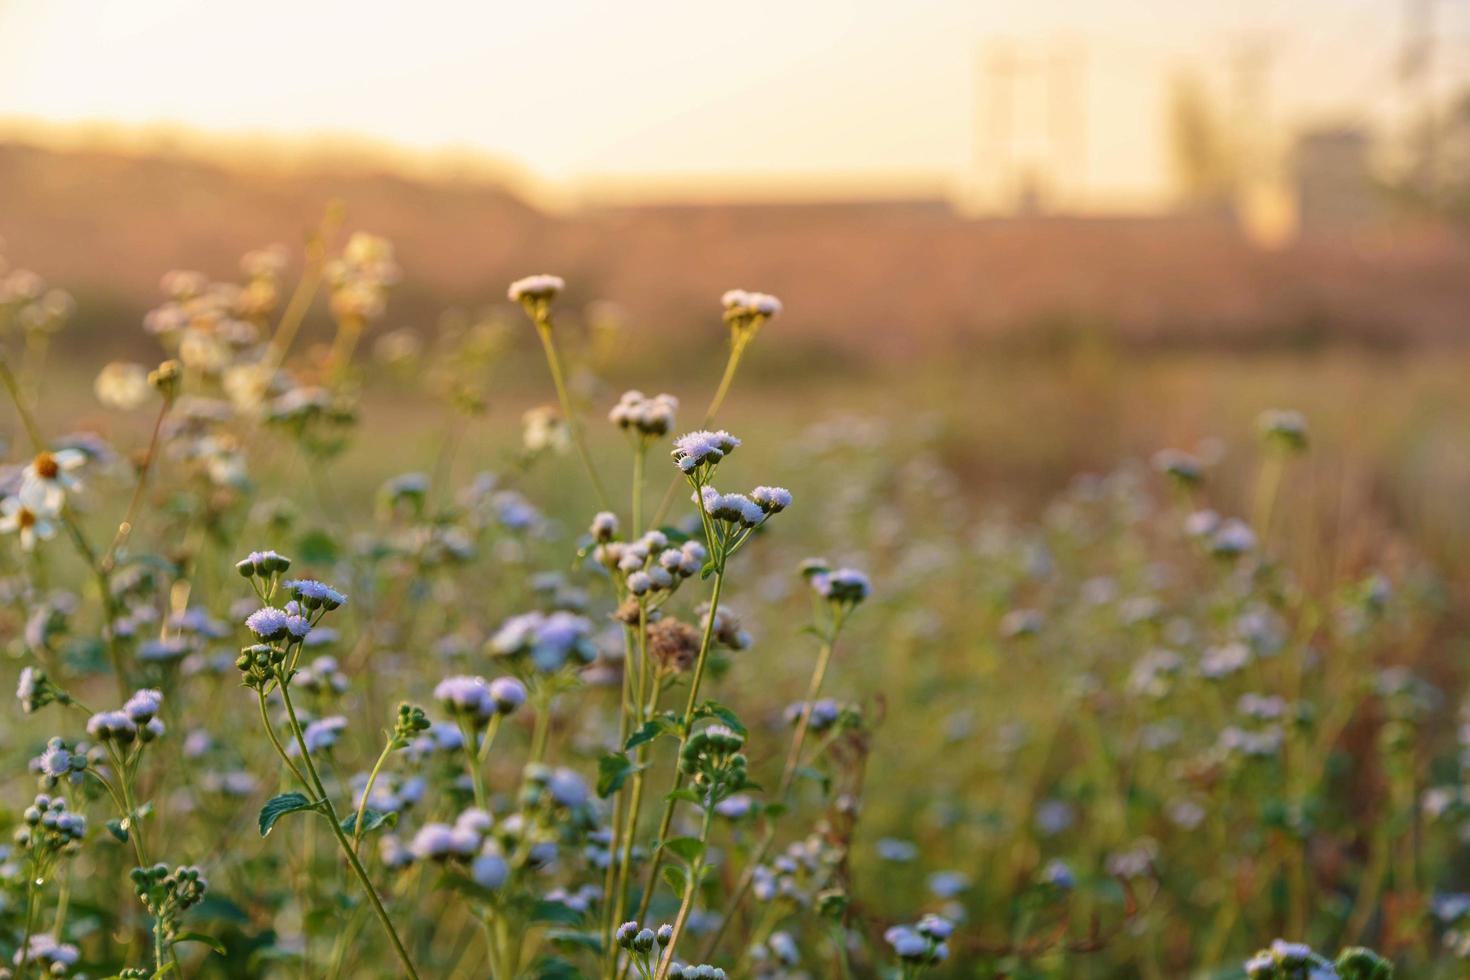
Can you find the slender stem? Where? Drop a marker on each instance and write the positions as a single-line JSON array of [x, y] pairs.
[[126, 527], [574, 426], [540, 730], [667, 819], [305, 292], [270, 731], [342, 841], [635, 807], [793, 762], [471, 758], [349, 331], [367, 791], [819, 673], [491, 731], [620, 809], [738, 342], [25, 942], [27, 418], [640, 455], [691, 887]]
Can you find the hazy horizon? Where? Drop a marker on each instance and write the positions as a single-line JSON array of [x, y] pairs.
[[658, 97]]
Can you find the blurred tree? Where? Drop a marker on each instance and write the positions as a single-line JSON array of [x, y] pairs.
[[1205, 167]]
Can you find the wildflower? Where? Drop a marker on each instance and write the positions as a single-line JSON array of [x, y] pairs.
[[846, 586], [48, 478], [489, 869], [673, 644], [898, 851], [314, 595], [262, 563], [269, 623], [567, 788], [771, 500], [733, 507], [508, 694], [544, 430], [34, 690], [1283, 428], [441, 842], [536, 289], [1058, 874], [726, 629], [1233, 538], [550, 640], [32, 526], [466, 697], [122, 385], [57, 957], [741, 303], [321, 735], [649, 417], [1181, 467], [949, 884], [604, 527], [695, 449], [143, 706], [112, 726]]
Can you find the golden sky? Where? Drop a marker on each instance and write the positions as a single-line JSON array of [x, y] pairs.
[[704, 94]]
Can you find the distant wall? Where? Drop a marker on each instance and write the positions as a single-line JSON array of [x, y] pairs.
[[890, 277]]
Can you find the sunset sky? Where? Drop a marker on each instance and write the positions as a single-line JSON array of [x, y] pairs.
[[645, 92]]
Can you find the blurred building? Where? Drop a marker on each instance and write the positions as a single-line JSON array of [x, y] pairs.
[[1335, 188]]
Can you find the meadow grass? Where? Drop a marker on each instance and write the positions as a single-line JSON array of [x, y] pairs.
[[1003, 691]]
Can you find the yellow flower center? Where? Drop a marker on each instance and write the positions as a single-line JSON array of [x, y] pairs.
[[46, 466]]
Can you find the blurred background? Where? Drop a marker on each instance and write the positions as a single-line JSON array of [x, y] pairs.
[[1129, 222]]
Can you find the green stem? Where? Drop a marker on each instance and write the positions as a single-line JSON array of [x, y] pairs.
[[691, 887], [125, 528], [793, 762], [738, 342], [667, 819], [25, 942], [342, 841], [471, 758], [574, 426], [540, 730], [367, 791]]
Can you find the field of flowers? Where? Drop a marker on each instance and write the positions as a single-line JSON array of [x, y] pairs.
[[628, 706]]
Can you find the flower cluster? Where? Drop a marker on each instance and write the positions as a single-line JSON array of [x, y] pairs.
[[650, 418]]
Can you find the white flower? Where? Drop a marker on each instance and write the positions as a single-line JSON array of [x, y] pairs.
[[45, 482], [122, 385], [17, 518], [541, 287]]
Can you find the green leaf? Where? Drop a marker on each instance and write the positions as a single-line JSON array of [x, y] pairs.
[[371, 820], [199, 937], [116, 829], [685, 795], [686, 849], [676, 876], [713, 709], [278, 806], [613, 771], [664, 724], [807, 772]]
